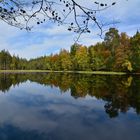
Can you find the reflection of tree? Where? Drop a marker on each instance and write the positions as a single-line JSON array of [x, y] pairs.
[[5, 83], [119, 92], [7, 80], [111, 110]]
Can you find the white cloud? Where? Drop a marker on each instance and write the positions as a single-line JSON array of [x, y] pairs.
[[47, 39]]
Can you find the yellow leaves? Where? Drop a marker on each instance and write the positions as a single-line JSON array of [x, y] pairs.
[[127, 64], [128, 82]]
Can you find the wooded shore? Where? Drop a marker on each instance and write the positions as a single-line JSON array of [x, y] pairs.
[[74, 72]]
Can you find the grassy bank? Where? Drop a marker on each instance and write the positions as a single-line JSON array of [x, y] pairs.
[[82, 72]]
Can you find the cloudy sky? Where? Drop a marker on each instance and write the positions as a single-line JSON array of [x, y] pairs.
[[50, 38]]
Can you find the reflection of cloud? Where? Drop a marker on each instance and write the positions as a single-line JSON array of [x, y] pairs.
[[32, 107], [30, 110]]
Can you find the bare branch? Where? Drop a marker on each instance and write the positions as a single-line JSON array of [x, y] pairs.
[[25, 14]]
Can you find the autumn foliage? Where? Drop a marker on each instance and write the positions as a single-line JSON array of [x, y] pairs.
[[118, 52]]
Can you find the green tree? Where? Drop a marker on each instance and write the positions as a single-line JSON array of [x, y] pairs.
[[65, 59], [82, 58], [73, 51], [97, 57], [112, 42], [135, 49], [5, 60], [14, 63], [55, 62], [122, 54]]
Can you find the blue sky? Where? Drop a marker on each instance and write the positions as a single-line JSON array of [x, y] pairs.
[[50, 38]]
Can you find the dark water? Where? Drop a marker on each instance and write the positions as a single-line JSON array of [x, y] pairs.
[[69, 107]]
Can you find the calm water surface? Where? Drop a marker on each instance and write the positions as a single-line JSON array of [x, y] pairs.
[[69, 107]]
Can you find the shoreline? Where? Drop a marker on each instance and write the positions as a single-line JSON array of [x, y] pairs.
[[74, 72]]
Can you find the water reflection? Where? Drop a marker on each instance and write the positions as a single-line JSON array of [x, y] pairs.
[[119, 92], [69, 106]]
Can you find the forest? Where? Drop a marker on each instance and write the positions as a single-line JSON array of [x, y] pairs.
[[118, 52]]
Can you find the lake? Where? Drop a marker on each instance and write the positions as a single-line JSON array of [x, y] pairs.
[[47, 106]]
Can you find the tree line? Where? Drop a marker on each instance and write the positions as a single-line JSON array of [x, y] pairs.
[[118, 52]]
